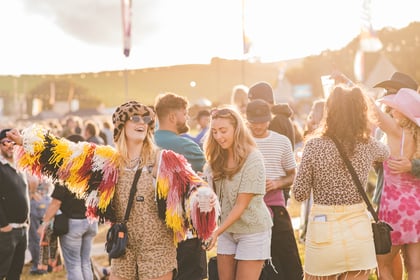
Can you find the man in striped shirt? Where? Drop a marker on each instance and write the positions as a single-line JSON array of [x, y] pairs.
[[280, 168]]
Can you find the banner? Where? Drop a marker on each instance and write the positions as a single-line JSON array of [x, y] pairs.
[[126, 22], [369, 41]]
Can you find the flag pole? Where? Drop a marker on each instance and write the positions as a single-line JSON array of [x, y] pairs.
[[126, 23], [243, 43]]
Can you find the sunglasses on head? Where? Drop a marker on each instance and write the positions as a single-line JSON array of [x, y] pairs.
[[137, 118], [7, 142], [215, 113]]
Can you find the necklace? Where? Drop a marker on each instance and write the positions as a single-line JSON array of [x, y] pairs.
[[132, 164], [137, 159]]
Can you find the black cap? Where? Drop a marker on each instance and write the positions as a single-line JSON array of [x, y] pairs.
[[3, 133], [261, 90], [258, 111], [398, 80]]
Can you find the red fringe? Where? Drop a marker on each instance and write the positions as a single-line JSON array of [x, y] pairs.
[[182, 179], [91, 211], [204, 222]]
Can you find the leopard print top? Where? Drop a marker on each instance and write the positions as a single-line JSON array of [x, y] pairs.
[[323, 171], [150, 252]]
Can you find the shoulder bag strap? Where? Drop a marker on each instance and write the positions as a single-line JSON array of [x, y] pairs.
[[355, 179], [132, 193]]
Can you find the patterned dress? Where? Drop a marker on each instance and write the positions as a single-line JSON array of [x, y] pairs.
[[400, 206], [154, 255]]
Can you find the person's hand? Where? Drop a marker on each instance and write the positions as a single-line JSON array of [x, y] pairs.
[[399, 165], [213, 200], [211, 242], [41, 229], [36, 196], [15, 136], [6, 228], [271, 185]]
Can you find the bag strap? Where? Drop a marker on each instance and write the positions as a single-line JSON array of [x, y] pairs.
[[132, 192], [355, 179]]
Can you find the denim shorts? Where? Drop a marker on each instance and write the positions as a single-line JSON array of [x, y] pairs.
[[245, 246]]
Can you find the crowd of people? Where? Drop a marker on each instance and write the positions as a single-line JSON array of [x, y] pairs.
[[252, 155]]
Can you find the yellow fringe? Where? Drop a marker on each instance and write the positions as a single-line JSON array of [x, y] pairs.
[[106, 152], [105, 199], [61, 151], [28, 160], [163, 187], [39, 145]]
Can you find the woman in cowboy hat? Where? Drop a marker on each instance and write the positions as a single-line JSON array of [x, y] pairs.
[[399, 205]]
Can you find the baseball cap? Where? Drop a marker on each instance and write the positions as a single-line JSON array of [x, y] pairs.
[[261, 90], [258, 111], [3, 133]]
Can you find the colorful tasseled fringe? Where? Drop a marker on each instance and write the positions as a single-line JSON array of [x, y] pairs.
[[88, 170], [91, 172], [177, 183]]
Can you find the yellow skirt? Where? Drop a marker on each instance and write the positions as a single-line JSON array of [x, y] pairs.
[[339, 239]]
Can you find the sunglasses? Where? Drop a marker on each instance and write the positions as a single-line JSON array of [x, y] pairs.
[[137, 119], [216, 113], [7, 142]]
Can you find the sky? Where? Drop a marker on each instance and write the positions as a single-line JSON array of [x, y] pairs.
[[63, 37]]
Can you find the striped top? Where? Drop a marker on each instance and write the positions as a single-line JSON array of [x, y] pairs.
[[278, 158]]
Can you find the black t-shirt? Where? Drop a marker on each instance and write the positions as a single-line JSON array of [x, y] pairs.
[[14, 201], [71, 206]]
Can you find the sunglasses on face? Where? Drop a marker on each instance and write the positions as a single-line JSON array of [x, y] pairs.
[[7, 142], [137, 119]]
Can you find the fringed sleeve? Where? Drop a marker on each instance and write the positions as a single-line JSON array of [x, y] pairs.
[[177, 184], [88, 170]]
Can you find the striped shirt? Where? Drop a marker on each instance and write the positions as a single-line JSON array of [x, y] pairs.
[[278, 158]]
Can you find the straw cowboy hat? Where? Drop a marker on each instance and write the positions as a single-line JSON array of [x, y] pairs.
[[406, 101]]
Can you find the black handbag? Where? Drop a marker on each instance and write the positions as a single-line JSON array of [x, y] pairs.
[[60, 224], [116, 237], [212, 269], [116, 240], [381, 230]]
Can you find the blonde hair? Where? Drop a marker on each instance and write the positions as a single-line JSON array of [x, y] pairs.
[[148, 150], [415, 130], [243, 144], [239, 96]]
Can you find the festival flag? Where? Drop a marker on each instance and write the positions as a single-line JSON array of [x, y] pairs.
[[368, 40], [246, 41], [126, 22]]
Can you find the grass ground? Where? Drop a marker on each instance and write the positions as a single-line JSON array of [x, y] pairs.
[[102, 260]]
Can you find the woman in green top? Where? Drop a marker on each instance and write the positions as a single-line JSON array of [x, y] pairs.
[[238, 177]]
